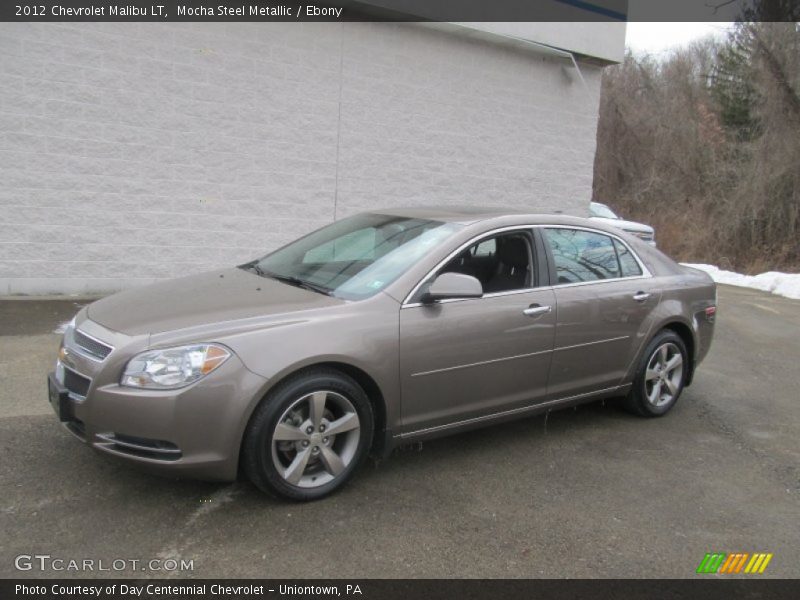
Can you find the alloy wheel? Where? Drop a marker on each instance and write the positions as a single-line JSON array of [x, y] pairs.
[[664, 375], [315, 439]]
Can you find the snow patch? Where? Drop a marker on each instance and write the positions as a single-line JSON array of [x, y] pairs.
[[782, 284]]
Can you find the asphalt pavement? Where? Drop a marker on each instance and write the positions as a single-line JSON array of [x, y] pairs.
[[590, 492]]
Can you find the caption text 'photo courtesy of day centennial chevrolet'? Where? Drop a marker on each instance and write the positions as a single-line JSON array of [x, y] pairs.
[[379, 329]]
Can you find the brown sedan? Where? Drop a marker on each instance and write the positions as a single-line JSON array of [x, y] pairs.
[[380, 329]]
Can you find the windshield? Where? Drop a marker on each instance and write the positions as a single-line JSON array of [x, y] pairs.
[[356, 257], [601, 210]]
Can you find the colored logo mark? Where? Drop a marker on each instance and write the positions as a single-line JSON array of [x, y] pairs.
[[738, 562]]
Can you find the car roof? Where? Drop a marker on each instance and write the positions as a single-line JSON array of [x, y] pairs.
[[468, 215]]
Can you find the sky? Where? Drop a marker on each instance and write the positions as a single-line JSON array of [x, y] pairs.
[[658, 38]]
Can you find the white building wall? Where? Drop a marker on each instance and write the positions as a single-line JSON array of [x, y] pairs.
[[133, 152]]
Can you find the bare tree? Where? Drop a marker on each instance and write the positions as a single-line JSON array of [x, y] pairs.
[[705, 145]]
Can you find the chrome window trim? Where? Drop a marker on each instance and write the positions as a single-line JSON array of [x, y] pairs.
[[484, 297], [596, 281], [406, 302], [83, 352], [646, 274], [645, 271]]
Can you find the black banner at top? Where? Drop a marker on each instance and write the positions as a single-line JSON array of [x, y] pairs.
[[400, 10]]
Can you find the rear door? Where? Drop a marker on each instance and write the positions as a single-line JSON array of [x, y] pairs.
[[604, 295]]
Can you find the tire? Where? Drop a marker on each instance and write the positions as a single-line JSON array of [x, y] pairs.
[[655, 389], [286, 452]]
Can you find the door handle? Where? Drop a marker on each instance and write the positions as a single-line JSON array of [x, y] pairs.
[[535, 309], [641, 296]]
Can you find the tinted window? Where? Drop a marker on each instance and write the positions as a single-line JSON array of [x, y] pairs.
[[630, 268], [582, 255]]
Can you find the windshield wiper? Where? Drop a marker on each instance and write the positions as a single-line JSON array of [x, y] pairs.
[[297, 282], [289, 279]]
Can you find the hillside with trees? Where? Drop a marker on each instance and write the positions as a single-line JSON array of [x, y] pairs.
[[704, 144]]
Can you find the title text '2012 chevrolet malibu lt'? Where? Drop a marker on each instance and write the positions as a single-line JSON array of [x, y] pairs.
[[379, 329]]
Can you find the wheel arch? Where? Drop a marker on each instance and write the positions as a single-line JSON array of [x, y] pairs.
[[681, 329], [375, 395], [685, 333], [381, 436]]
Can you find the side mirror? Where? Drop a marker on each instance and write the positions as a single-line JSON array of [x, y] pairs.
[[453, 285]]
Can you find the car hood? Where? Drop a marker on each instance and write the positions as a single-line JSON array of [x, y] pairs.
[[202, 299], [625, 225]]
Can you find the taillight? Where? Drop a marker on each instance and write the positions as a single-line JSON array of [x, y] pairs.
[[710, 312]]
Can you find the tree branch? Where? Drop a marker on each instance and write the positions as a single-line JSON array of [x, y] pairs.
[[776, 70], [716, 7]]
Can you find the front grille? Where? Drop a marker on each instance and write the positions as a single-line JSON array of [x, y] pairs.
[[91, 346], [141, 447], [75, 383]]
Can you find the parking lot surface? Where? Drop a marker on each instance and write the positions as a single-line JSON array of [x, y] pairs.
[[590, 492]]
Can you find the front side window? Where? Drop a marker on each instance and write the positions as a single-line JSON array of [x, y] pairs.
[[356, 257], [501, 263], [582, 255]]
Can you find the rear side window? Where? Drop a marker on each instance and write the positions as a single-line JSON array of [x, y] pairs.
[[582, 255], [627, 263]]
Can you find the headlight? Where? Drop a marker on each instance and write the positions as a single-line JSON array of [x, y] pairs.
[[173, 368]]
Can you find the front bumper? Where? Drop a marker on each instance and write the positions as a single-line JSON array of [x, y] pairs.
[[191, 432]]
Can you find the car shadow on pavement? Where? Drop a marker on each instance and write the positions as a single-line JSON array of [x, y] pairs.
[[59, 467]]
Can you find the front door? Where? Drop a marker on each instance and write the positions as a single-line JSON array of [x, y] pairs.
[[466, 359]]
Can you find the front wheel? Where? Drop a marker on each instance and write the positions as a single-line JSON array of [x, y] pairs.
[[308, 436], [661, 376]]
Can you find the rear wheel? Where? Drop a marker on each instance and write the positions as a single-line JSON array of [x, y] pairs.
[[308, 436], [661, 376]]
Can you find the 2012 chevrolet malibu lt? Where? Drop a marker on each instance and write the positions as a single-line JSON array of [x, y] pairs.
[[379, 329]]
